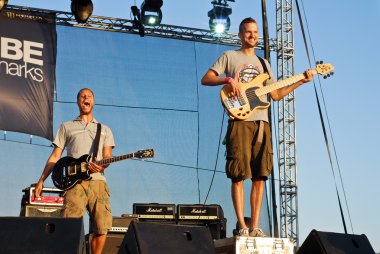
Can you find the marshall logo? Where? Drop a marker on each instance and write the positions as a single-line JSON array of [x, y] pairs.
[[154, 210], [198, 211]]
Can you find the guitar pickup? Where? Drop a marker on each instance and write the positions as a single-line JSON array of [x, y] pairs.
[[234, 102], [72, 170]]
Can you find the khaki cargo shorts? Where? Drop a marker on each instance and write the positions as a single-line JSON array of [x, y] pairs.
[[246, 158], [94, 196]]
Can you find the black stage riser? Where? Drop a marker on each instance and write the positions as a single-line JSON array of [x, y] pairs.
[[319, 242]]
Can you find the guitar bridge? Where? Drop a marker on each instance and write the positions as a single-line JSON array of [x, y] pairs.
[[83, 167], [234, 102]]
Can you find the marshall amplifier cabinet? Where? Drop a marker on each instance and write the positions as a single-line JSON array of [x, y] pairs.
[[154, 212], [50, 204], [211, 216], [200, 212]]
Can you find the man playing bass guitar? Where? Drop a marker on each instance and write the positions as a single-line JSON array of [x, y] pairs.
[[78, 136], [248, 140]]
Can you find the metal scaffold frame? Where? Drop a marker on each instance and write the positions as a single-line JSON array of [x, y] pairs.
[[127, 26], [282, 45], [287, 124]]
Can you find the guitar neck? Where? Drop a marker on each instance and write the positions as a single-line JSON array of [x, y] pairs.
[[114, 159], [281, 84]]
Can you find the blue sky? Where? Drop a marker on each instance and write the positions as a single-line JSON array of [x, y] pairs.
[[344, 34]]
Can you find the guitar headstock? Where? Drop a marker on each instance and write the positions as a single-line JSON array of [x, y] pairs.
[[142, 154], [325, 69]]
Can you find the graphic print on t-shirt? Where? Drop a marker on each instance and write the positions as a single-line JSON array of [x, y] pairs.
[[247, 73]]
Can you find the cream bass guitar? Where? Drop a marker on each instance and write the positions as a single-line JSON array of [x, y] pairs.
[[241, 107]]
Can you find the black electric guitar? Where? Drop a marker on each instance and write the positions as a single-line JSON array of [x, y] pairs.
[[68, 170], [243, 106]]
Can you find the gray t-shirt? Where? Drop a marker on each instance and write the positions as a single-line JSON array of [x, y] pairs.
[[78, 139], [236, 64]]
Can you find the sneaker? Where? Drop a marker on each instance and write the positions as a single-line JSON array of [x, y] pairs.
[[257, 232], [244, 232]]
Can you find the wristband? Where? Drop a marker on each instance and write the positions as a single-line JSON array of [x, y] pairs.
[[228, 80]]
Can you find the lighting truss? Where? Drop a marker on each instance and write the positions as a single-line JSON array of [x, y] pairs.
[[126, 26]]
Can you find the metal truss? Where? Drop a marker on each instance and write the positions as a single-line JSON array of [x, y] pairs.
[[287, 124], [127, 26]]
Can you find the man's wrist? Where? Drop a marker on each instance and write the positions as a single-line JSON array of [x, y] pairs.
[[228, 80]]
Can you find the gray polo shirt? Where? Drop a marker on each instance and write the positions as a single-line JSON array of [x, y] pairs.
[[78, 139], [236, 64]]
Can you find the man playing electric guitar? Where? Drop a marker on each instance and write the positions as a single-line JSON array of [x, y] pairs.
[[248, 142], [78, 136]]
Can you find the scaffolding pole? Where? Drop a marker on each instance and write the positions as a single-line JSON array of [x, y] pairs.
[[288, 187]]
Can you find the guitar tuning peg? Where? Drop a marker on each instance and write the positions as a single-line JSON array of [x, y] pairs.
[[332, 73], [317, 62], [325, 77], [328, 75], [321, 62]]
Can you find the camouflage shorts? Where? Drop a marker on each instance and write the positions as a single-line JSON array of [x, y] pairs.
[[94, 196]]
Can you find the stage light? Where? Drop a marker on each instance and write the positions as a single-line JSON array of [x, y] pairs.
[[219, 16], [82, 10], [137, 21], [220, 25], [151, 14], [3, 4]]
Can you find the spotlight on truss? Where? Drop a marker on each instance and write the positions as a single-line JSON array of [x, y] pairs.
[[137, 21], [219, 16], [151, 14], [3, 4], [82, 10]]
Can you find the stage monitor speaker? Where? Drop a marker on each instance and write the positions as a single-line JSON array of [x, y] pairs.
[[152, 238], [41, 235], [319, 242]]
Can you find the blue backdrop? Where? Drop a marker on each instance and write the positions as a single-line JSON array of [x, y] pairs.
[[148, 91]]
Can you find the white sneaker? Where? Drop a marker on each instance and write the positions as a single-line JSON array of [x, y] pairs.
[[244, 232], [257, 232]]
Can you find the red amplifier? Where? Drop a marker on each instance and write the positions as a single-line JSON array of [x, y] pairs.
[[49, 197]]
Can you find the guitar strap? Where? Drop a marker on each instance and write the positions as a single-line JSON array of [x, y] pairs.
[[261, 125], [263, 64], [96, 141]]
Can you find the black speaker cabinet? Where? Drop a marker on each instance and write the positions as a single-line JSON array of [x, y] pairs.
[[217, 227], [112, 245], [41, 235], [152, 238], [319, 242]]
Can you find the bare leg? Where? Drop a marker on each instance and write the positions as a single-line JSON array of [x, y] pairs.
[[237, 193], [97, 244], [257, 193]]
